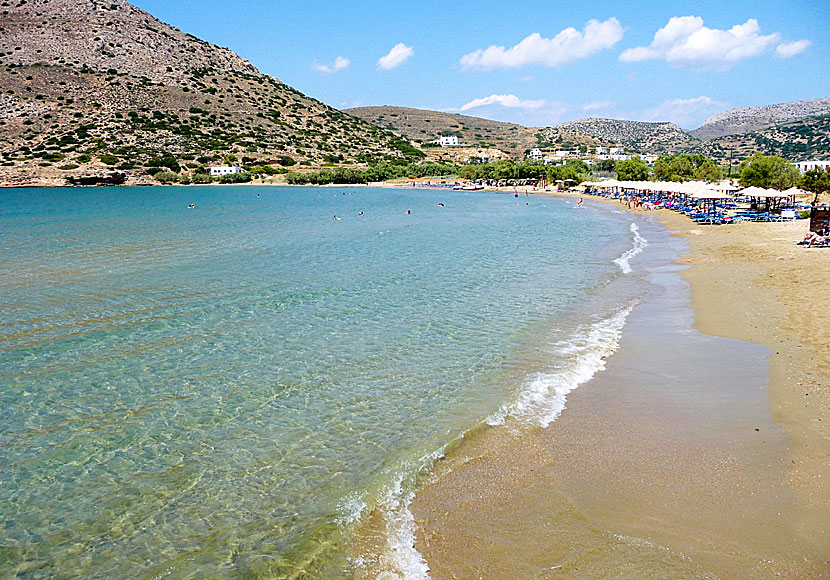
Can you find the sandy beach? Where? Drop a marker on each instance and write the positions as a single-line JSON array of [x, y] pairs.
[[700, 452]]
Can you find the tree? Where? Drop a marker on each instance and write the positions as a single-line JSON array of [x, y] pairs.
[[816, 181], [578, 165], [770, 171], [684, 167], [634, 169]]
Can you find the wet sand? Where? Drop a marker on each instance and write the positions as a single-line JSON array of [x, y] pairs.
[[700, 452]]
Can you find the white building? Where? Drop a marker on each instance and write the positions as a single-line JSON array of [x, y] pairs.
[[615, 151], [602, 150], [566, 152], [225, 170], [448, 141], [805, 166], [536, 154]]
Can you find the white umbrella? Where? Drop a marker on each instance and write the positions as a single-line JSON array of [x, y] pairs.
[[754, 192]]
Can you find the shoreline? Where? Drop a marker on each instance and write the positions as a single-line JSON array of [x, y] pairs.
[[759, 265]]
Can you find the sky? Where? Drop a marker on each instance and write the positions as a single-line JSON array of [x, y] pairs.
[[536, 63]]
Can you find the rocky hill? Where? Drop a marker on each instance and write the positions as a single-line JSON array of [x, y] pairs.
[[799, 141], [424, 126], [642, 137], [749, 119], [89, 87]]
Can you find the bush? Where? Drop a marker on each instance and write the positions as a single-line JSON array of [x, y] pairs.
[[166, 160], [108, 159], [243, 177], [69, 167], [166, 178], [201, 178], [286, 161]]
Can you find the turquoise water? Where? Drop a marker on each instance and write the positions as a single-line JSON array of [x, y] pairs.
[[222, 392]]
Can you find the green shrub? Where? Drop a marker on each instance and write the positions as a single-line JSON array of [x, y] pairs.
[[243, 177], [201, 178], [166, 178], [108, 159], [69, 167]]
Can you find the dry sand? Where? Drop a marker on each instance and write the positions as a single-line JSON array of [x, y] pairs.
[[636, 482]]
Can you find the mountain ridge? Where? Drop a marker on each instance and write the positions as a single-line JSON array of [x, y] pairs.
[[91, 87], [748, 119]]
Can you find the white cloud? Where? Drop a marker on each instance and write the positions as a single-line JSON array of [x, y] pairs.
[[340, 63], [598, 105], [399, 54], [510, 101], [685, 41], [567, 46], [686, 113], [790, 49]]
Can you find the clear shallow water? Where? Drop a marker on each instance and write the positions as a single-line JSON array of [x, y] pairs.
[[221, 392]]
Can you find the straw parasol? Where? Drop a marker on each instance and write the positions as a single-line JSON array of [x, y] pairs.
[[754, 192]]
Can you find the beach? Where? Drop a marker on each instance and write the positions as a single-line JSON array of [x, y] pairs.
[[700, 452]]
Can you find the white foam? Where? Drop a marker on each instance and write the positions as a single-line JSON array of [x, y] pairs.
[[542, 397], [624, 261], [400, 523], [351, 510]]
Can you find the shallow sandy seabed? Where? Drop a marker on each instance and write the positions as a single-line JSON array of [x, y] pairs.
[[622, 487]]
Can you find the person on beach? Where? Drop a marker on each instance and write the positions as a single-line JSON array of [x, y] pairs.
[[815, 238]]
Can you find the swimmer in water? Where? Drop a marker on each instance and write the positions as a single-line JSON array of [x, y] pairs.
[[440, 205], [408, 212], [337, 219]]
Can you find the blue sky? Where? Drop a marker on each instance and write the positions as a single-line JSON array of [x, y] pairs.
[[537, 63]]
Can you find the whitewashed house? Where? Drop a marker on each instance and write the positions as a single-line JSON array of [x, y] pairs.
[[615, 151], [448, 141], [225, 170], [602, 150], [536, 154], [805, 166]]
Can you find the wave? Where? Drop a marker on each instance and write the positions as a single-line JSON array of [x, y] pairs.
[[541, 398], [639, 243], [400, 559]]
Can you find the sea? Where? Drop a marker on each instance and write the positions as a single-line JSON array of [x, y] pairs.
[[231, 390]]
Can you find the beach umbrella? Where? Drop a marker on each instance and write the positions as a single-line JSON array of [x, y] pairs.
[[775, 194], [726, 185], [753, 192]]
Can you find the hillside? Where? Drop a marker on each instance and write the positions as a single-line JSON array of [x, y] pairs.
[[424, 126], [799, 141], [88, 87], [657, 138], [750, 119]]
